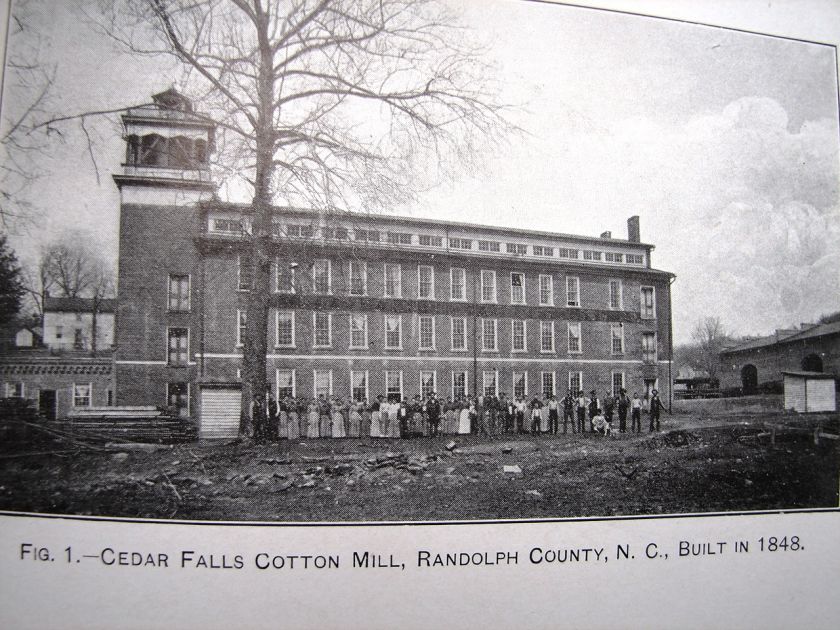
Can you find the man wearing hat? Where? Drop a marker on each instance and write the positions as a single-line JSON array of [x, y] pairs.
[[433, 414], [594, 405], [623, 405], [655, 407]]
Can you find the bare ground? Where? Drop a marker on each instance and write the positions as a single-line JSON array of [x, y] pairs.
[[724, 463]]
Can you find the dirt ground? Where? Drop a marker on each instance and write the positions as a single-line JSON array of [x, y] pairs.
[[726, 463]]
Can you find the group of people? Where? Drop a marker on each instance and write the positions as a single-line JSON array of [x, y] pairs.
[[293, 418]]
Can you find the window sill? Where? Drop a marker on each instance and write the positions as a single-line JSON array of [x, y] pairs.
[[292, 347]]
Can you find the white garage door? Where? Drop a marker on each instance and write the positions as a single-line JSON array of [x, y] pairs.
[[220, 408]]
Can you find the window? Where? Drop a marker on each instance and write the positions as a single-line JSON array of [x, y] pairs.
[[178, 397], [241, 321], [613, 257], [546, 290], [284, 276], [617, 383], [431, 241], [393, 386], [285, 329], [546, 336], [617, 338], [520, 384], [367, 236], [178, 348], [543, 250], [572, 291], [489, 383], [516, 248], [574, 338], [179, 292], [649, 347], [567, 253], [459, 385], [322, 326], [460, 243], [59, 332], [82, 394], [393, 281], [299, 231], [517, 288], [321, 281], [426, 324], [615, 294], [358, 278], [635, 259], [110, 398], [339, 233], [358, 331], [359, 385], [488, 286], [648, 303], [226, 226], [488, 335], [575, 382], [393, 332], [489, 246], [517, 335], [459, 333], [399, 238], [245, 273], [458, 279], [15, 390], [547, 382], [78, 340], [426, 282], [323, 382], [589, 254], [427, 383], [285, 383]]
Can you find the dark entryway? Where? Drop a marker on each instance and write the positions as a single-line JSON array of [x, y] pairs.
[[46, 403], [812, 363], [749, 378]]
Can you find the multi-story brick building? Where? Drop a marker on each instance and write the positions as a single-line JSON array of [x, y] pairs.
[[364, 304]]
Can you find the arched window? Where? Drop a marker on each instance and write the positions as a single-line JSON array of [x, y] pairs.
[[153, 150], [812, 363], [749, 378], [180, 152]]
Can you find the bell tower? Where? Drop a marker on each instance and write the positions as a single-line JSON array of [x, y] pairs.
[[167, 153]]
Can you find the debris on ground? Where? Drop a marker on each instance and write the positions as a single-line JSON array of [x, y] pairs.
[[512, 469]]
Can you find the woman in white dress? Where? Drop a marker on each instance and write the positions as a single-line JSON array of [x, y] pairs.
[[337, 417], [355, 421], [294, 419], [464, 425], [376, 418], [393, 428], [312, 429]]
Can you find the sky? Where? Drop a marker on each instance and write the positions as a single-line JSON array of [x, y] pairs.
[[725, 143]]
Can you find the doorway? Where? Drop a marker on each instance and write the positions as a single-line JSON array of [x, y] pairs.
[[46, 403]]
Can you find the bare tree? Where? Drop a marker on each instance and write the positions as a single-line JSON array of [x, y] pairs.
[[69, 266], [26, 97], [330, 104], [710, 337]]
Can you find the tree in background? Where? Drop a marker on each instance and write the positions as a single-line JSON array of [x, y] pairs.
[[329, 104], [26, 98], [70, 266], [709, 337], [11, 283]]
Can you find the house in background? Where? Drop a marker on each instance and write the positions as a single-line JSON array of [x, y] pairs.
[[72, 324]]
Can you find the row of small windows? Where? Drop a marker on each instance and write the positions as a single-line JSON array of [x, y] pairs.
[[395, 385], [82, 393], [155, 150], [243, 226], [321, 282], [487, 333]]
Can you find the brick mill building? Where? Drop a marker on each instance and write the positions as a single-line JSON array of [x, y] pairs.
[[363, 304]]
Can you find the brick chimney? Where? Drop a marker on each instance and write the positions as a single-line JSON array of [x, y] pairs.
[[633, 233], [606, 234]]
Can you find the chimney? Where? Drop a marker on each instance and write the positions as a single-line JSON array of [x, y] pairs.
[[606, 234], [633, 234]]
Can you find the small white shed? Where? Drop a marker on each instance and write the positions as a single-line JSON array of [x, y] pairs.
[[219, 405], [810, 391]]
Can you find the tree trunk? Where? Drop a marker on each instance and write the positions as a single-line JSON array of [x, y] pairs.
[[94, 326]]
